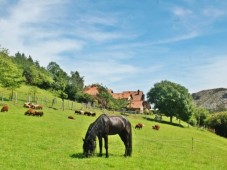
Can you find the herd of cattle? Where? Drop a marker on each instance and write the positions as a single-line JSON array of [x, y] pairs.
[[87, 113], [140, 126], [81, 112], [34, 110]]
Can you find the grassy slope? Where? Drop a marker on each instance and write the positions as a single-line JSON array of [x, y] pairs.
[[55, 142]]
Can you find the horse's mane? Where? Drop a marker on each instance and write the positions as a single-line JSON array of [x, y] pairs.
[[93, 128]]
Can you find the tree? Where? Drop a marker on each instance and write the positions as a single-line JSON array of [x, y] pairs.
[[59, 76], [171, 99], [10, 75], [75, 85], [104, 97]]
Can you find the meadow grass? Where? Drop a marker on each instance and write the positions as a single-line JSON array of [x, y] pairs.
[[55, 142]]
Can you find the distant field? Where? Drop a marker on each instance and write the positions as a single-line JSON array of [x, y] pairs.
[[55, 142]]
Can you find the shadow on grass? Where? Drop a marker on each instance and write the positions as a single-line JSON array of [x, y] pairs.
[[81, 156], [78, 156], [164, 122]]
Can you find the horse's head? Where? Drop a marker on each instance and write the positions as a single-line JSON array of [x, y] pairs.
[[89, 146]]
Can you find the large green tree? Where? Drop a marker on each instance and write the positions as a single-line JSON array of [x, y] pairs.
[[171, 99], [59, 76], [75, 85], [10, 75]]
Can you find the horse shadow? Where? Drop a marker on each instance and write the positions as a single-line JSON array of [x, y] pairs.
[[77, 155], [164, 122], [81, 156]]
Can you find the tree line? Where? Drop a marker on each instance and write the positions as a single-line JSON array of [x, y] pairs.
[[18, 69]]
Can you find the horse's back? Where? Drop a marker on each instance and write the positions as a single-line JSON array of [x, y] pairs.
[[117, 124]]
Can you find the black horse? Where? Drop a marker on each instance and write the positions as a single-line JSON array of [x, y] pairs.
[[106, 125]]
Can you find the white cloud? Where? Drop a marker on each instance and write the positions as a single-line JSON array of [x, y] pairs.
[[182, 12], [186, 36], [28, 29], [213, 12]]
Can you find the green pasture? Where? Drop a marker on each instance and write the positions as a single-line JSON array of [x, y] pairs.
[[54, 142]]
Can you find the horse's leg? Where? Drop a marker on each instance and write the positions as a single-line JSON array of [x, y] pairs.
[[124, 139], [106, 145], [100, 146], [129, 139]]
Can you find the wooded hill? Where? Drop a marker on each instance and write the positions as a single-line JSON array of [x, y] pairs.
[[212, 99]]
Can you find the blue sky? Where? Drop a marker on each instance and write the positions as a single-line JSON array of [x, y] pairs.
[[123, 44]]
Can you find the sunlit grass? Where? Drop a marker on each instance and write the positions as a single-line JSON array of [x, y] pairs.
[[55, 142]]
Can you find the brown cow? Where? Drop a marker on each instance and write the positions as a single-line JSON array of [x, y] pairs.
[[70, 117], [139, 126], [30, 112], [38, 113], [5, 108], [156, 127]]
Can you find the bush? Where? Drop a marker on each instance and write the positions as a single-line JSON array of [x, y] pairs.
[[192, 121], [200, 114], [148, 112], [218, 122]]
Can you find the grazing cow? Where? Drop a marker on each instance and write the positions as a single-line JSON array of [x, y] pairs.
[[156, 127], [70, 117], [5, 108], [30, 112], [139, 126]]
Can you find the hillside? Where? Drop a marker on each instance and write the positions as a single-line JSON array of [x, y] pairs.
[[55, 142], [212, 99]]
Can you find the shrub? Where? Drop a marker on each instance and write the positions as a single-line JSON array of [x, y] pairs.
[[218, 121], [192, 121]]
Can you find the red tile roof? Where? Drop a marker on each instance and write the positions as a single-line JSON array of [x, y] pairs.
[[135, 98], [92, 90]]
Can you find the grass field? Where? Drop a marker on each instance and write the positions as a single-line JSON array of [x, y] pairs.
[[55, 142]]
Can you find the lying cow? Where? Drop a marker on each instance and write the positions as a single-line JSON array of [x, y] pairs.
[[32, 112], [38, 113], [139, 126], [156, 127], [37, 106], [5, 108], [79, 112], [70, 117]]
